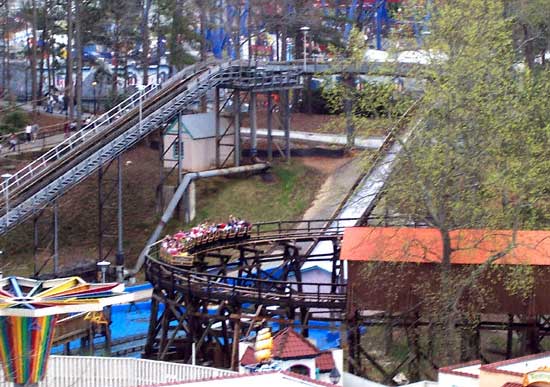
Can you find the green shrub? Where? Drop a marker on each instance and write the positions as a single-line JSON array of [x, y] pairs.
[[13, 121], [370, 100]]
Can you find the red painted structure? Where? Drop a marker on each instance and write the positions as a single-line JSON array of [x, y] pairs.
[[392, 268]]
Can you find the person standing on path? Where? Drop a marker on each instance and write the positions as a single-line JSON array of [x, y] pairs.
[[28, 132], [34, 131], [13, 142]]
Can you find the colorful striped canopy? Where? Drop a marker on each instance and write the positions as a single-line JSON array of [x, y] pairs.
[[32, 298], [28, 313]]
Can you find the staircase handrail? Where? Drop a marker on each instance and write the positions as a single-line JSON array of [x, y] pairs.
[[86, 133], [94, 128]]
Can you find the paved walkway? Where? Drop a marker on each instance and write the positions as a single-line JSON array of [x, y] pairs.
[[39, 145], [27, 106], [322, 138]]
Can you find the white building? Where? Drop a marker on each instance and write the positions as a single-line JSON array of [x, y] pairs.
[[293, 352], [532, 370], [199, 141], [267, 379]]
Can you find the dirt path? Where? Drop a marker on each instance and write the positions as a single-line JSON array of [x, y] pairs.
[[343, 175]]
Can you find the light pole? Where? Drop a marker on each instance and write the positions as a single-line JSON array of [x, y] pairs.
[[140, 88], [103, 266], [94, 84], [305, 30], [6, 177]]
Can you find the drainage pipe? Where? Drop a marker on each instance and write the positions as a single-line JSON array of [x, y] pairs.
[[169, 212]]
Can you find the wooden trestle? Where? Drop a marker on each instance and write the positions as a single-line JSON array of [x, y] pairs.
[[234, 288]]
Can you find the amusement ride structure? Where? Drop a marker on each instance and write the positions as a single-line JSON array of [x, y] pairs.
[[236, 284], [230, 286], [29, 310]]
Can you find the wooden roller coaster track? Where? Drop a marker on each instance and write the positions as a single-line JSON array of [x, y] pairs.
[[231, 280]]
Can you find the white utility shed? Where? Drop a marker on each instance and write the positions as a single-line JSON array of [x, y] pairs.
[[199, 142]]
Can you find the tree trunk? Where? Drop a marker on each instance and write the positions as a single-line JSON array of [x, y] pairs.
[[42, 51], [145, 41], [529, 51], [448, 314], [69, 92], [116, 55], [78, 44], [284, 33], [6, 68], [51, 76], [237, 34], [34, 88]]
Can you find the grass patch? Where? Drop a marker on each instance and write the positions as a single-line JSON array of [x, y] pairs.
[[364, 127], [287, 197]]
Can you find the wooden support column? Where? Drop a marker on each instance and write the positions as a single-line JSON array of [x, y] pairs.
[[235, 345], [309, 95], [353, 346], [152, 331], [304, 320], [55, 246], [36, 241], [165, 323], [388, 334], [509, 336], [414, 348]]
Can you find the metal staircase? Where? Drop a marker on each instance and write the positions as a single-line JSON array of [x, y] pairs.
[[51, 175]]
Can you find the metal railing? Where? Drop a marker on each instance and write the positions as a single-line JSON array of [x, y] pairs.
[[93, 130], [85, 371], [89, 132], [199, 79], [250, 289]]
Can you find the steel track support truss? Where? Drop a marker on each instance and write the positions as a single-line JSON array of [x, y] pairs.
[[46, 240], [110, 232]]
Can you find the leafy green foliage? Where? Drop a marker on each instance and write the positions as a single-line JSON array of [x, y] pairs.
[[478, 158], [13, 121], [370, 99]]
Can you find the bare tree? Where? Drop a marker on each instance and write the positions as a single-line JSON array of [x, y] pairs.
[[6, 32], [34, 85], [79, 50], [145, 41], [69, 92]]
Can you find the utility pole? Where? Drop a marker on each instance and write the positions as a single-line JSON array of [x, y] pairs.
[[33, 59]]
